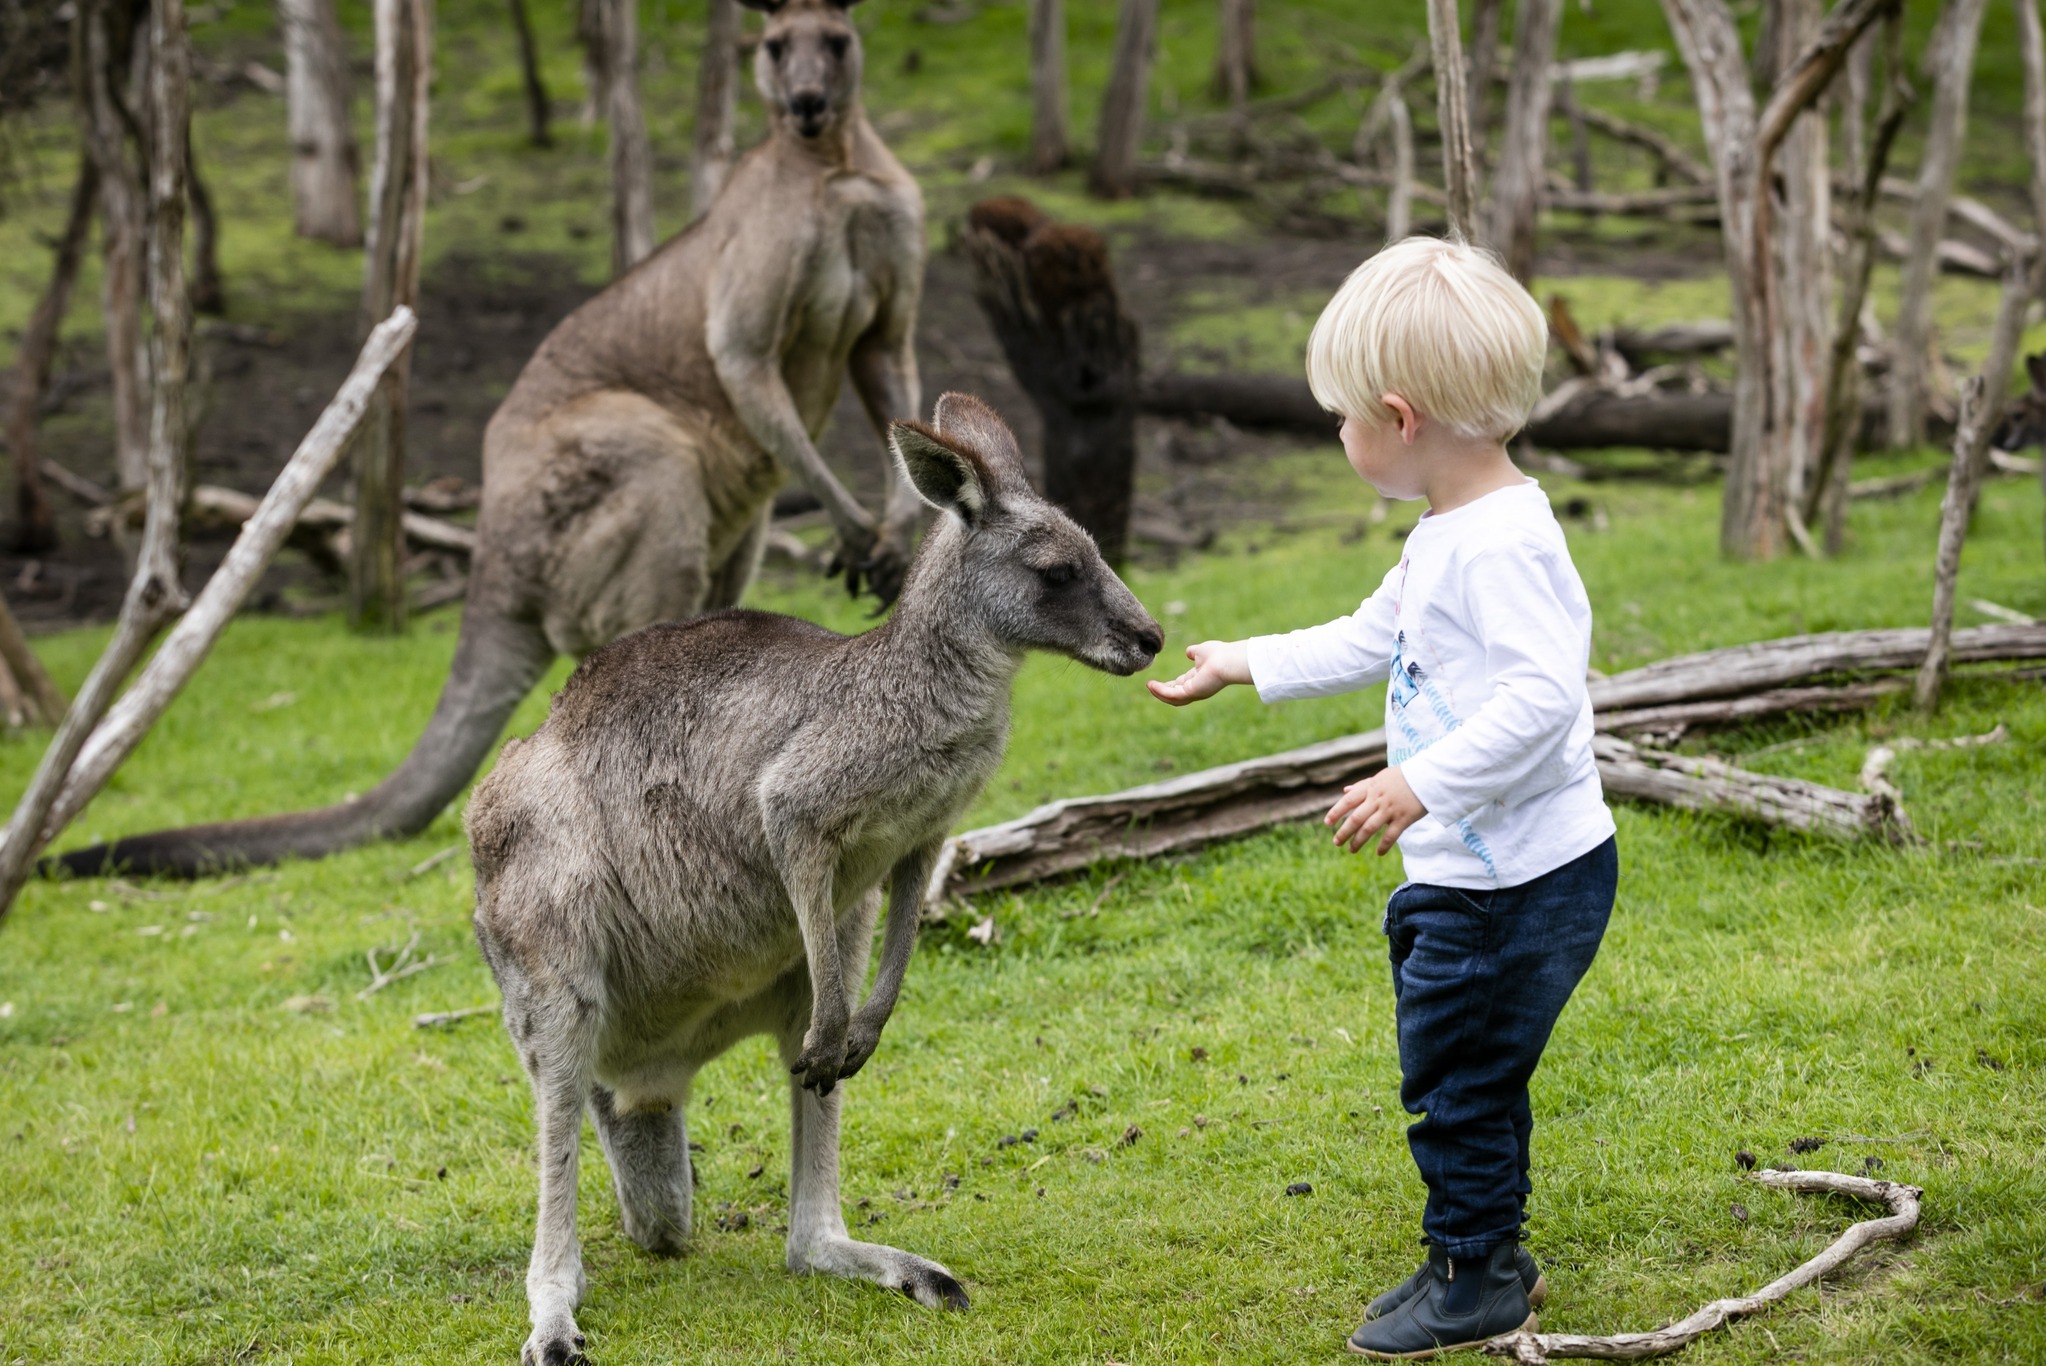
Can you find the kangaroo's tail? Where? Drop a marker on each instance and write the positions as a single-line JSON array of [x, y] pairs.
[[497, 662]]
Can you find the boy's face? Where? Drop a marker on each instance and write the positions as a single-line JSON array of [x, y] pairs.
[[1384, 454]]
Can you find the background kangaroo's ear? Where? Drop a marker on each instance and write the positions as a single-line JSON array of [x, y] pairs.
[[947, 477], [764, 6], [2035, 368]]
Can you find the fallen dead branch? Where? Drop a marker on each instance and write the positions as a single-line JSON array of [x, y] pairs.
[[1532, 1349], [403, 965], [439, 1019], [1875, 769], [99, 733], [1197, 809], [1704, 784], [228, 509]]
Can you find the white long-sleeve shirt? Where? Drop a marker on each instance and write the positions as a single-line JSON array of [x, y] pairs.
[[1485, 632]]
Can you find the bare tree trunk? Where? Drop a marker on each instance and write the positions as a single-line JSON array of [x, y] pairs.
[[105, 56], [209, 294], [1049, 144], [538, 107], [1484, 55], [38, 526], [1048, 291], [589, 33], [632, 162], [391, 281], [1868, 153], [1452, 107], [1122, 108], [324, 161], [1753, 521], [717, 84], [1804, 267], [1518, 175], [40, 702], [1982, 401], [1953, 64], [1236, 52]]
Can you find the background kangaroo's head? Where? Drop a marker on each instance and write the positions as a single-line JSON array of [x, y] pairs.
[[808, 63], [2024, 418], [1021, 568]]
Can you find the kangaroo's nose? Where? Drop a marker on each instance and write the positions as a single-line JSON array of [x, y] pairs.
[[808, 105], [1152, 639]]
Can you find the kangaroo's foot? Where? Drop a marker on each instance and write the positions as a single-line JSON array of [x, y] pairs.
[[555, 1342], [922, 1280]]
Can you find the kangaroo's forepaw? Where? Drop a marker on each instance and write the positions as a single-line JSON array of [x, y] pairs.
[[822, 1061], [860, 1045], [554, 1344]]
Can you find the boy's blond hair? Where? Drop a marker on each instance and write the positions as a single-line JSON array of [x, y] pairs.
[[1442, 325]]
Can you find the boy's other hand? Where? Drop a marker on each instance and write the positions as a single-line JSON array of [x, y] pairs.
[[1217, 664], [1381, 802]]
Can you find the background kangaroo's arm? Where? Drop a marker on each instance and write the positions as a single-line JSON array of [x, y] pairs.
[[905, 914], [883, 368], [749, 304]]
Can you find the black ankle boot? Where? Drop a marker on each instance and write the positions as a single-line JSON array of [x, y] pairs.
[[1459, 1303], [1530, 1276]]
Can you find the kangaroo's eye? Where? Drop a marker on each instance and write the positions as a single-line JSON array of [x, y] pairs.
[[837, 43], [775, 47], [1058, 575]]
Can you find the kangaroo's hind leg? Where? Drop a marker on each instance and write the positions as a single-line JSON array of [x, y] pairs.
[[648, 1150], [555, 1032], [818, 1242]]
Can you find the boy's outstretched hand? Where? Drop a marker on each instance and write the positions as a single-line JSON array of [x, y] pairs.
[[1381, 802], [1217, 664]]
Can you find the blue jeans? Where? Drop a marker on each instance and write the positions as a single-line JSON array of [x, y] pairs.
[[1478, 979]]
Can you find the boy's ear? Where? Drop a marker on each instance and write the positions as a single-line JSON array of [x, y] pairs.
[[949, 477]]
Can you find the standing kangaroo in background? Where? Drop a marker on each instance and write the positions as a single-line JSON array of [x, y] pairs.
[[628, 476], [687, 853]]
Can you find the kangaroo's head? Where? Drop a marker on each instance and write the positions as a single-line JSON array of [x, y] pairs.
[[1018, 566], [2024, 417], [808, 63]]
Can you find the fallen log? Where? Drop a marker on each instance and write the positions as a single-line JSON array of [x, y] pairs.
[[1588, 418], [1197, 809], [223, 509], [1704, 784], [1533, 1349], [1728, 711]]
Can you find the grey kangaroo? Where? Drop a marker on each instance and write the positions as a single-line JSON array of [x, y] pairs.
[[628, 476], [690, 850]]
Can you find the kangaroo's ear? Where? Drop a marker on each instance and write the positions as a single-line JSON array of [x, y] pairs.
[[764, 6], [2035, 368], [948, 477]]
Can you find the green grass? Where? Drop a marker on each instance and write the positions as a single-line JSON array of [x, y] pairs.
[[214, 1152]]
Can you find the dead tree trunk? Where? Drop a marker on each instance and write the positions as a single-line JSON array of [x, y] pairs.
[[390, 281], [209, 293], [1122, 108], [37, 528], [1049, 147], [1868, 153], [1753, 524], [1982, 401], [1518, 170], [632, 162], [40, 703], [538, 106], [589, 35], [717, 85], [1953, 63], [1049, 294], [1452, 108], [1236, 52], [1801, 225], [1484, 55], [106, 50], [324, 162]]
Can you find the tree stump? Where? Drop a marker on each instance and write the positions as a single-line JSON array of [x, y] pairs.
[[1049, 294]]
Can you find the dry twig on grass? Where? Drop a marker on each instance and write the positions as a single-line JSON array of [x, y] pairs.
[[1532, 1349], [437, 1019], [401, 967]]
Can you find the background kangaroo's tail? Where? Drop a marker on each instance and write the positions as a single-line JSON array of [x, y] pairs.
[[497, 662]]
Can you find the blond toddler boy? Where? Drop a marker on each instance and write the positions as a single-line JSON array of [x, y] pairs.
[[1432, 354]]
